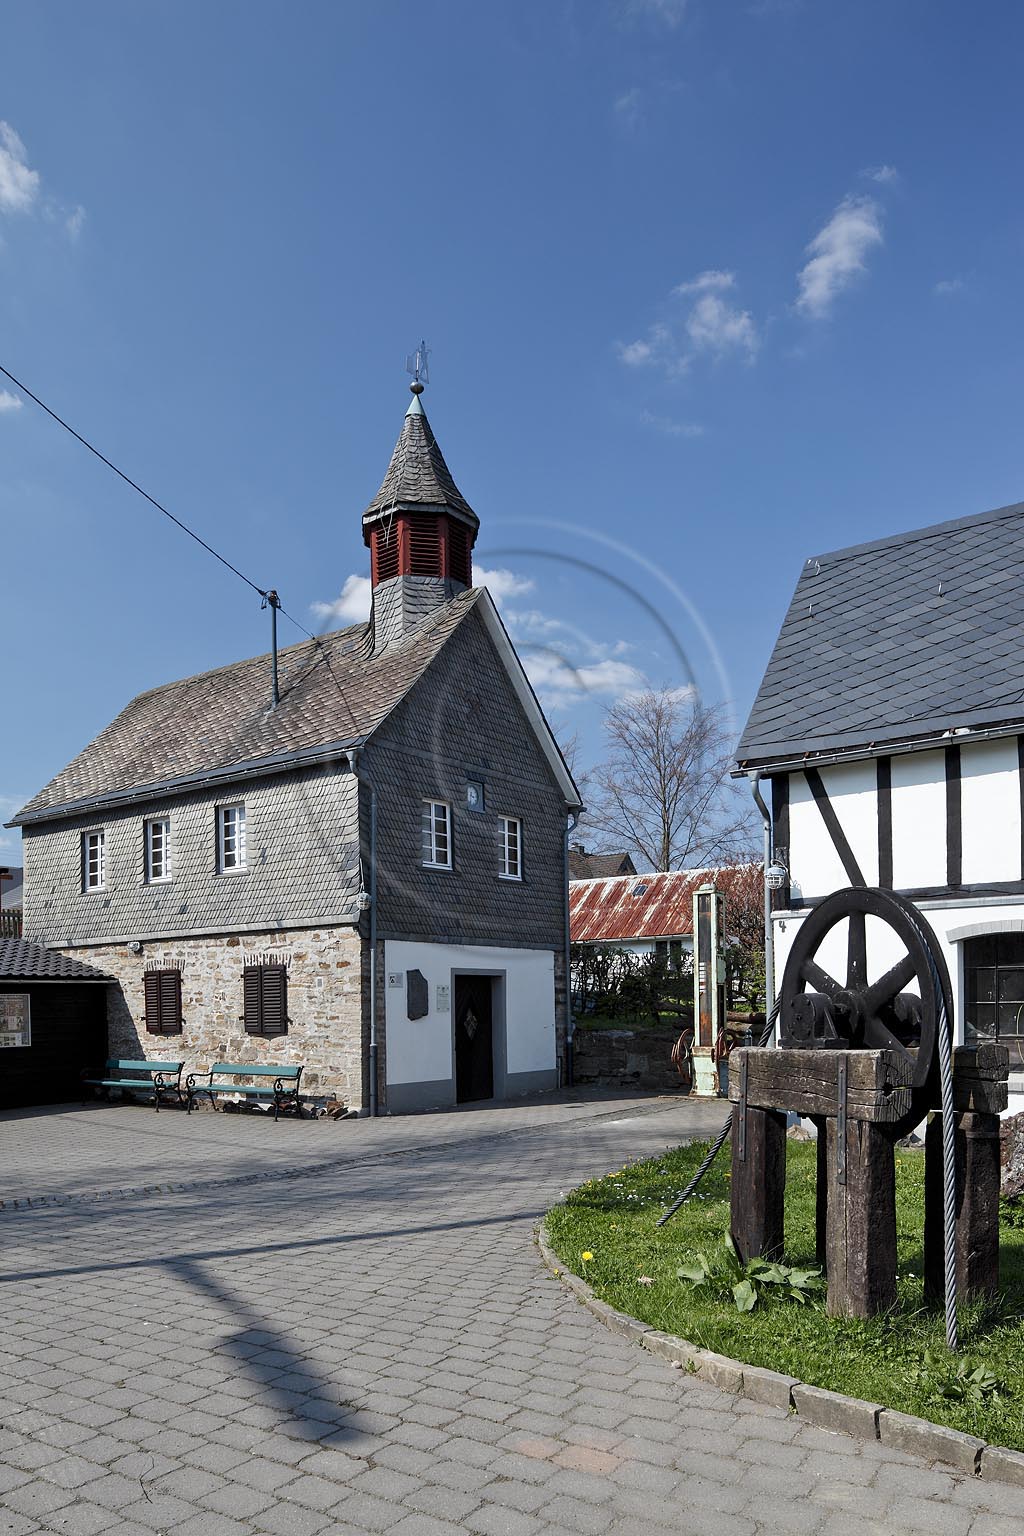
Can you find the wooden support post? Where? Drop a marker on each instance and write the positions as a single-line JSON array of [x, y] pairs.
[[821, 1195], [977, 1208], [758, 1183], [861, 1222]]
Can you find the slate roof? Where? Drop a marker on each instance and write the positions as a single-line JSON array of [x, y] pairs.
[[11, 886], [901, 639], [334, 693], [22, 961], [418, 476], [658, 906], [598, 866]]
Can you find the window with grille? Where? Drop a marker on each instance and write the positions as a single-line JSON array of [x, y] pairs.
[[511, 867], [230, 838], [158, 850], [163, 1002], [994, 991], [265, 999], [94, 861], [437, 834]]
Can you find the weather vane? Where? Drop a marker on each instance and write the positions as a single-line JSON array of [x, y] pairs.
[[416, 364]]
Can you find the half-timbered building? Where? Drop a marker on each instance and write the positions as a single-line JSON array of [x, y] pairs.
[[890, 724]]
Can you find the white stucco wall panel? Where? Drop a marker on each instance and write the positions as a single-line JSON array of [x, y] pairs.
[[420, 1050], [919, 820], [990, 812], [815, 866]]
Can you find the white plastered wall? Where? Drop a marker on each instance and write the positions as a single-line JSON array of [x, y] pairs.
[[815, 866], [420, 1050]]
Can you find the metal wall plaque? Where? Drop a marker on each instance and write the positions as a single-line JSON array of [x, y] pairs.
[[443, 1002], [417, 1002], [15, 1020], [396, 978]]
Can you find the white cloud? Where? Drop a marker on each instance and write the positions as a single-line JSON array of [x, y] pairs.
[[671, 428], [947, 286], [668, 12], [19, 186], [885, 175], [837, 254], [351, 606], [74, 221], [627, 108], [714, 325], [711, 280], [558, 680], [501, 584], [9, 402]]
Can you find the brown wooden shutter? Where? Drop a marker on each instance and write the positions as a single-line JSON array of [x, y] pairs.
[[252, 999], [275, 999], [152, 980], [170, 1002]]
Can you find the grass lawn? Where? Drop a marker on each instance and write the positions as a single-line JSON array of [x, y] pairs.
[[881, 1360]]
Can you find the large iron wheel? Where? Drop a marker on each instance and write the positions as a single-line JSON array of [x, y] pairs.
[[859, 1012]]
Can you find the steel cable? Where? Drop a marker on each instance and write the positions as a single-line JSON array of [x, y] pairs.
[[721, 1138]]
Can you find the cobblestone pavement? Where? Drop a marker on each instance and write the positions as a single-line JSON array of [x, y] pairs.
[[216, 1326]]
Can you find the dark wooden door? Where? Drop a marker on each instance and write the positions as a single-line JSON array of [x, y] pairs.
[[474, 1044]]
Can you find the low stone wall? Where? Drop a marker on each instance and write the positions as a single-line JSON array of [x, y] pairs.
[[626, 1058]]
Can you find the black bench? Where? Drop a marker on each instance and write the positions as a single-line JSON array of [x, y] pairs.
[[161, 1077], [223, 1078]]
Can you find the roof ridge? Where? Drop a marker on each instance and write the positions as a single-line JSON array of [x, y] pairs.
[[912, 535]]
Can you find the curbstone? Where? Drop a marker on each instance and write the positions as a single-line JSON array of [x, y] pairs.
[[619, 1322], [831, 1410], [719, 1370], [933, 1442], [668, 1346], [769, 1387], [997, 1462]]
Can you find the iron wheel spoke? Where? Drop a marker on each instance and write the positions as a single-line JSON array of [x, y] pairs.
[[856, 953], [878, 1037], [819, 979], [889, 986]]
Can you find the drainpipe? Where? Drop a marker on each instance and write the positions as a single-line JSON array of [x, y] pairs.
[[571, 824], [371, 897], [769, 949]]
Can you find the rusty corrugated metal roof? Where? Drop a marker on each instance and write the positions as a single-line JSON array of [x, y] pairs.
[[658, 906]]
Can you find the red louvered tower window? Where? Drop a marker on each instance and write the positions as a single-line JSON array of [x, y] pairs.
[[420, 544]]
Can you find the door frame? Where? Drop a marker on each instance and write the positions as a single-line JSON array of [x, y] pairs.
[[499, 1040]]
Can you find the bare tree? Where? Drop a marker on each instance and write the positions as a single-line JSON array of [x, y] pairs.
[[663, 788]]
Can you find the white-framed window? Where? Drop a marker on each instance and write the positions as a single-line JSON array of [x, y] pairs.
[[437, 834], [94, 861], [230, 837], [511, 848], [158, 850]]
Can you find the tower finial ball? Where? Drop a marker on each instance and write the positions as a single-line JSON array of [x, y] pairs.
[[416, 387]]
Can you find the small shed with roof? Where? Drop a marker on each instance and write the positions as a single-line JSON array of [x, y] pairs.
[[52, 1024], [650, 914]]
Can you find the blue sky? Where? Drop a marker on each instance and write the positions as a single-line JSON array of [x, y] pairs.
[[709, 286]]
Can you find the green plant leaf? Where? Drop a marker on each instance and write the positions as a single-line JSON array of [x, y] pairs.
[[694, 1273], [745, 1296]]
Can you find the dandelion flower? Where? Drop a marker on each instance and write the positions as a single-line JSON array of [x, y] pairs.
[[586, 1257]]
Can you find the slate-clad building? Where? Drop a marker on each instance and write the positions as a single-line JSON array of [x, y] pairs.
[[890, 723], [53, 1024], [392, 831]]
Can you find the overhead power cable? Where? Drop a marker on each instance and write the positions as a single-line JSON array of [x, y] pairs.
[[262, 592]]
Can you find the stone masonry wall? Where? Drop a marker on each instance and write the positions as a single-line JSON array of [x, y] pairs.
[[620, 1058], [325, 1004]]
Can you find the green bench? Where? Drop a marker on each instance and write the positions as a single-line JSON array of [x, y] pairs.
[[223, 1078], [161, 1077]]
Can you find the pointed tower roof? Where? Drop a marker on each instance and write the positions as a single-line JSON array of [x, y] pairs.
[[418, 479]]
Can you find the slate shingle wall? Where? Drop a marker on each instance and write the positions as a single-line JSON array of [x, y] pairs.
[[463, 721], [302, 865]]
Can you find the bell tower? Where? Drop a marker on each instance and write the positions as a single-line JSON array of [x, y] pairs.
[[420, 531]]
